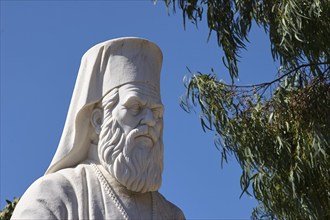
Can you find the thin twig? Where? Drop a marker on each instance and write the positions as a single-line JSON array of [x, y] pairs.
[[277, 79]]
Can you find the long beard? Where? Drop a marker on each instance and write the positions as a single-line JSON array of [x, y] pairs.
[[138, 168]]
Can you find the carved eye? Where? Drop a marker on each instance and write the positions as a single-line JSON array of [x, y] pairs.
[[158, 112], [135, 108]]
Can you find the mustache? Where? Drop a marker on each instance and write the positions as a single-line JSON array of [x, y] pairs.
[[143, 130]]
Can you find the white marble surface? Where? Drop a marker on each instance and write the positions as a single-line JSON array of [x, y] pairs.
[[109, 162]]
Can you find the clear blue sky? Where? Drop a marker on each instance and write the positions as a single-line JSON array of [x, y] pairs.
[[42, 43]]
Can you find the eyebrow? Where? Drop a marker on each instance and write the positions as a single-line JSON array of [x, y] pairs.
[[157, 105], [133, 98], [143, 102]]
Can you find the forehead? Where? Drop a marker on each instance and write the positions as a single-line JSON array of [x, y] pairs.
[[141, 91]]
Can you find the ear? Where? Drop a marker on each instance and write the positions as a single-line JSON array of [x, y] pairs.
[[97, 119]]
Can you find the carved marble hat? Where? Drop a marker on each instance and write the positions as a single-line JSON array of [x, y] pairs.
[[106, 66]]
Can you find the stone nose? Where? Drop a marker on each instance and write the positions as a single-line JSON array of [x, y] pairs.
[[148, 118]]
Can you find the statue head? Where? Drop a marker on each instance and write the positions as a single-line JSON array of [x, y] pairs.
[[128, 124], [117, 96]]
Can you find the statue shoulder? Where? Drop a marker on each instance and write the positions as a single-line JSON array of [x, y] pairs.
[[61, 182], [166, 209], [53, 196]]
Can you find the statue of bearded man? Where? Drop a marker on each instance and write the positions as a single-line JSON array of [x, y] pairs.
[[109, 161]]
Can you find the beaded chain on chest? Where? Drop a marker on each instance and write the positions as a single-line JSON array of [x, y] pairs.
[[113, 196]]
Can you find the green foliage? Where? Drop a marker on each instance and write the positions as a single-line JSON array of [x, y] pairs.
[[278, 131], [281, 143], [7, 212], [298, 29]]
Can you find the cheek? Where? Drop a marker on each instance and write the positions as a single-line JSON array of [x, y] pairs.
[[125, 119], [159, 126]]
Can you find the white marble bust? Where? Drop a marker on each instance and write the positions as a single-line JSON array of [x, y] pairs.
[[109, 161]]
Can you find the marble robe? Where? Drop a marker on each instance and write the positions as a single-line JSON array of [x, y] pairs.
[[78, 193]]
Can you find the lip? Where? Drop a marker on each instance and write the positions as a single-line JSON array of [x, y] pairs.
[[145, 136]]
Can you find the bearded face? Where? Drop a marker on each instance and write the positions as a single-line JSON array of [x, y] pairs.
[[130, 141]]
